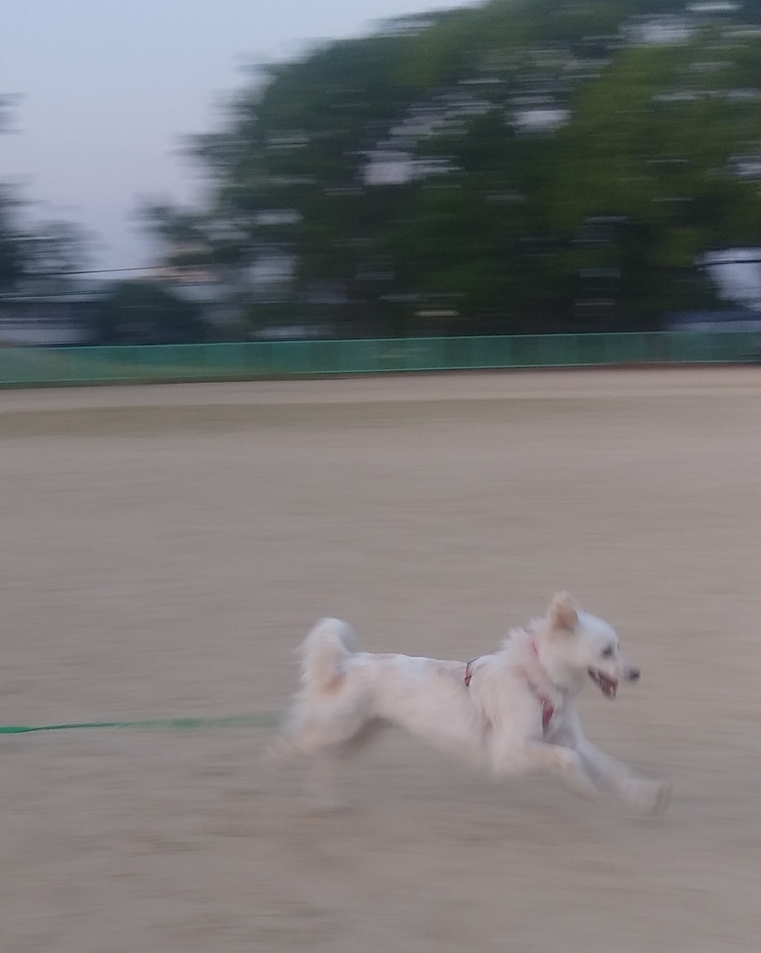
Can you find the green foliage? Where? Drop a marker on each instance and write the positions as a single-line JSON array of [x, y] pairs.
[[12, 250], [146, 312], [35, 257], [407, 168], [39, 257]]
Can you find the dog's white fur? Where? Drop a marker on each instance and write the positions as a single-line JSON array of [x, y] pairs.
[[495, 721]]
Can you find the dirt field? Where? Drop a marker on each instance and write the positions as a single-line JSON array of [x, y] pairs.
[[164, 549]]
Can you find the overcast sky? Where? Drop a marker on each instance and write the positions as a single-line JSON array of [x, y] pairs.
[[108, 88]]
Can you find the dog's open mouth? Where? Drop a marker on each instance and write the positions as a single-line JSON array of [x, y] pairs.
[[608, 686]]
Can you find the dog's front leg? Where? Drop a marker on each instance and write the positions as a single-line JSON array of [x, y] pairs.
[[527, 756], [639, 794]]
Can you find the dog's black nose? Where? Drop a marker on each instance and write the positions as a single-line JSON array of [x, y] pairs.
[[633, 674]]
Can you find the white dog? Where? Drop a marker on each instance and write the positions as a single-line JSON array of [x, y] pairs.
[[512, 712]]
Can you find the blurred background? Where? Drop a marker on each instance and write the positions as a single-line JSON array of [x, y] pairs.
[[492, 168], [281, 175]]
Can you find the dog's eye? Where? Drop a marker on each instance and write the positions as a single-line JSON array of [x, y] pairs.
[[607, 653]]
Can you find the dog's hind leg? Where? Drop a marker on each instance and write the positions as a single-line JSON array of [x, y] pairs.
[[363, 738], [297, 736], [326, 764], [325, 742]]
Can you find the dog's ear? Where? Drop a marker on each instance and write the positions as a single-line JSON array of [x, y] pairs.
[[563, 613]]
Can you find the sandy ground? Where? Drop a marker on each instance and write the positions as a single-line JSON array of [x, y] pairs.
[[165, 548]]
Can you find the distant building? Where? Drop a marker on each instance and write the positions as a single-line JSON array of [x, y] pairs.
[[49, 320], [705, 321], [660, 30], [736, 273]]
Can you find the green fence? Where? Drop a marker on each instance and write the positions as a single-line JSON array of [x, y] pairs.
[[31, 366]]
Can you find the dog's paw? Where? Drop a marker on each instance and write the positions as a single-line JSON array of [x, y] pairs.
[[646, 797]]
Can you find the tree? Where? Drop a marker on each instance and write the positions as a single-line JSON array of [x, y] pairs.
[[146, 312], [13, 252], [510, 167], [38, 258], [655, 151], [35, 257]]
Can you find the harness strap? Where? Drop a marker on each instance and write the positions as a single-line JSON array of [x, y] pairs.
[[548, 709]]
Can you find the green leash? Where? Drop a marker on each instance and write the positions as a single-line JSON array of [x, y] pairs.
[[248, 721]]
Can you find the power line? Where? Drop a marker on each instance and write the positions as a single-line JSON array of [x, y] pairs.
[[148, 268], [91, 271], [10, 296]]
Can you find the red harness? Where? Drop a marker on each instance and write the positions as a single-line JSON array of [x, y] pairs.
[[548, 709]]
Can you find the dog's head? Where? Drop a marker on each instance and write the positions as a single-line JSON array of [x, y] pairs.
[[577, 643]]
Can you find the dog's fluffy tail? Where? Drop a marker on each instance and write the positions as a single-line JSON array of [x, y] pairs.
[[324, 652]]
